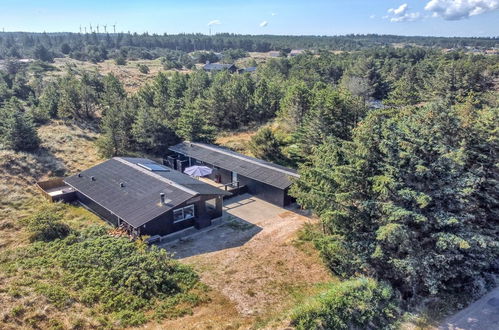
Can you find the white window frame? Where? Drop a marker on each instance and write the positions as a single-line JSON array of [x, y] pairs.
[[184, 217]]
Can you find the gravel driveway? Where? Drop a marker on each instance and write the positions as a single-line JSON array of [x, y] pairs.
[[483, 314], [251, 258]]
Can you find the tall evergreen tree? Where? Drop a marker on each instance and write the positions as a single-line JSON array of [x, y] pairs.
[[266, 98], [412, 199], [295, 104], [193, 124], [152, 131], [264, 145], [333, 113], [17, 130]]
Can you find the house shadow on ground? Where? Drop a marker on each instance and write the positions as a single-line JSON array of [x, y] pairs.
[[244, 216], [232, 232]]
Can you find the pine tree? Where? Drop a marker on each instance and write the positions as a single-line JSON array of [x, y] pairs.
[[295, 104], [17, 130], [264, 145], [412, 199], [333, 114], [266, 98], [363, 79], [407, 90], [70, 99], [49, 100], [193, 124], [152, 131]]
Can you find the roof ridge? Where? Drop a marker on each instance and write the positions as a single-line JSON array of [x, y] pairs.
[[156, 176], [242, 157]]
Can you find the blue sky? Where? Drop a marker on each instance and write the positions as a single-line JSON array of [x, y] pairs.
[[333, 17]]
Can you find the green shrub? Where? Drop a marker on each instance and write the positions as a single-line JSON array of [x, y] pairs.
[[122, 279], [361, 303], [46, 225], [55, 294], [17, 311], [131, 319], [143, 68], [120, 60], [339, 259]]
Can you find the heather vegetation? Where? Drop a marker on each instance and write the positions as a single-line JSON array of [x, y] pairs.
[[119, 279]]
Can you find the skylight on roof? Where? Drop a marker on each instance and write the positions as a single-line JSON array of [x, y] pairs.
[[153, 167]]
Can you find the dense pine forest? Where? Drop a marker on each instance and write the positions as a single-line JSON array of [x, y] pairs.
[[397, 150]]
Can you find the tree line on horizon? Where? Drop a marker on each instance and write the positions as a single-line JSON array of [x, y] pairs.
[[97, 47]]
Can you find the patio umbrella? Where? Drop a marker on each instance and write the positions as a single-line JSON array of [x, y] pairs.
[[198, 170]]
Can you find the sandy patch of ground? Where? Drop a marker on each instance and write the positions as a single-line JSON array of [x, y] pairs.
[[128, 74]]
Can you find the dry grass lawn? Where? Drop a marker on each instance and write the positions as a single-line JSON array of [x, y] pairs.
[[66, 148], [261, 277], [128, 74], [237, 141]]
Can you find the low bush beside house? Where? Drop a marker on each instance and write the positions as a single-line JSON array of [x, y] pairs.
[[46, 225], [121, 280], [360, 303]]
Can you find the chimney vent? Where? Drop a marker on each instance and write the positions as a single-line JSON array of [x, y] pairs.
[[162, 198], [122, 184], [79, 175], [92, 178]]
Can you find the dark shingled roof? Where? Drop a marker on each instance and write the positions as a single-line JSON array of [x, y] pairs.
[[218, 66], [253, 168], [249, 69], [138, 201]]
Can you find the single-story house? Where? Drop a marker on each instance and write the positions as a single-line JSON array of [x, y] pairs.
[[249, 69], [263, 179], [216, 67], [146, 198]]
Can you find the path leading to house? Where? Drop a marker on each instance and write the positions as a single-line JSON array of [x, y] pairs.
[[253, 264], [483, 314]]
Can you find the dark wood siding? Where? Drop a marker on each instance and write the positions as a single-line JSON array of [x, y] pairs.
[[164, 224], [97, 209], [262, 190]]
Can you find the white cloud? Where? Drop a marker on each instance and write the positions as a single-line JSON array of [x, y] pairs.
[[408, 17], [453, 10], [214, 22], [273, 14], [400, 10], [264, 24], [402, 14], [372, 16]]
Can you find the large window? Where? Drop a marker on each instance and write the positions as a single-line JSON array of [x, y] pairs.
[[183, 213]]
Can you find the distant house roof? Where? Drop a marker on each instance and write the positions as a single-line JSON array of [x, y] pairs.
[[248, 69], [130, 188], [295, 52], [218, 67], [253, 168]]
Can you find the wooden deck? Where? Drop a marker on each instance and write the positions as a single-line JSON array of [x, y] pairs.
[[227, 187], [56, 190]]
